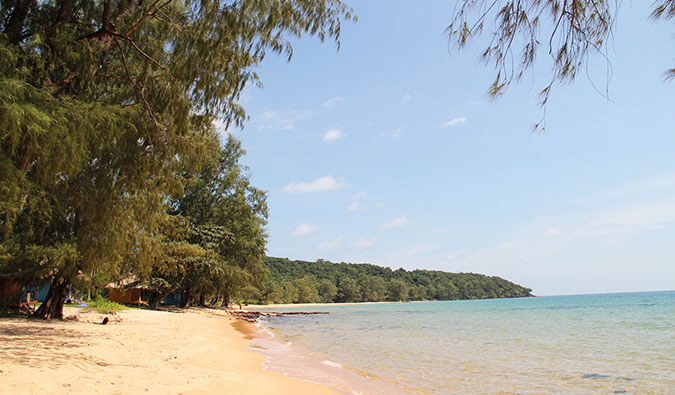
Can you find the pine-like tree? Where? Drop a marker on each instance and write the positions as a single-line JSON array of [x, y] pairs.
[[101, 102]]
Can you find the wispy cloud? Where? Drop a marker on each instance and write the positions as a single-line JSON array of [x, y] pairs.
[[406, 98], [454, 122], [332, 102], [321, 184], [355, 206], [330, 244], [590, 232], [364, 243], [658, 185], [553, 232], [304, 230], [332, 135], [635, 218], [280, 120], [395, 223]]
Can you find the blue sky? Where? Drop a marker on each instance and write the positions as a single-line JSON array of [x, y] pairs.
[[389, 152]]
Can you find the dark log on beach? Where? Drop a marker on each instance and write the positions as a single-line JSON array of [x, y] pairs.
[[252, 316], [301, 313]]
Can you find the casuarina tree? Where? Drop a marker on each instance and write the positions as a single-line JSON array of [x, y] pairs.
[[102, 105]]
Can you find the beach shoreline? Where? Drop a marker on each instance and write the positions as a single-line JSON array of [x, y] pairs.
[[297, 361], [253, 307], [188, 352]]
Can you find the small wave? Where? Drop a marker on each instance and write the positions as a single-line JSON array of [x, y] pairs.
[[331, 364]]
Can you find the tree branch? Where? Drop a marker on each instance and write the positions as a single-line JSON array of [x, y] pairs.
[[145, 15]]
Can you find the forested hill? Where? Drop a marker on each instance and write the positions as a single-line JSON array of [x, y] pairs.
[[291, 281]]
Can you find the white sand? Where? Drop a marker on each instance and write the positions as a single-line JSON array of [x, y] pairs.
[[198, 351]]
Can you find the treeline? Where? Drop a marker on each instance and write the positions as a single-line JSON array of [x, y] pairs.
[[292, 281], [111, 164]]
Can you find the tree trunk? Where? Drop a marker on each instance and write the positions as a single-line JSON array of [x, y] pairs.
[[226, 300], [202, 299], [154, 300], [158, 297], [185, 303], [52, 307], [15, 24]]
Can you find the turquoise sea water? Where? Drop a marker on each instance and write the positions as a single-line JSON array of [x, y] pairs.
[[613, 343]]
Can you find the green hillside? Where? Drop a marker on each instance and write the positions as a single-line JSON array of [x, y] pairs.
[[292, 281]]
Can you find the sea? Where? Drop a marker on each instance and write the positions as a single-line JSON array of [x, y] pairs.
[[602, 343]]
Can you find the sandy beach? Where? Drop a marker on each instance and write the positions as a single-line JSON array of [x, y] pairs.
[[191, 352]]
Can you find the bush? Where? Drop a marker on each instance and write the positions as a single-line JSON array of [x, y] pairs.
[[104, 306]]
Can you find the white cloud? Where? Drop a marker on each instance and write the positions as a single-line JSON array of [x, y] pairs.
[[280, 120], [396, 132], [332, 135], [321, 184], [304, 230], [553, 232], [649, 187], [330, 244], [395, 223], [629, 219], [355, 206], [454, 122], [406, 98], [332, 102], [364, 243]]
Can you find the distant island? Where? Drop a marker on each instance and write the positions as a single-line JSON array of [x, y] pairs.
[[295, 281]]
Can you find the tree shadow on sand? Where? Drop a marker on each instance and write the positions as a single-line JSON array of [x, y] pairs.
[[33, 342]]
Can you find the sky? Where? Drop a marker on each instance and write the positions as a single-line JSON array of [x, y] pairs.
[[389, 152]]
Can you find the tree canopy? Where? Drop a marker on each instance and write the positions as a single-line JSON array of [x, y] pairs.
[[293, 281], [106, 107]]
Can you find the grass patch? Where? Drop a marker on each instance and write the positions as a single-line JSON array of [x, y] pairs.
[[104, 306]]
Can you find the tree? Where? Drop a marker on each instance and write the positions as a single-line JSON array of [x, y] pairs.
[[397, 290], [348, 290], [572, 31], [307, 289], [227, 216], [327, 291], [373, 288], [102, 102]]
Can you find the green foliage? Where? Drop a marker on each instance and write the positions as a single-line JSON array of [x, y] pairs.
[[104, 306], [107, 110], [292, 281], [215, 239]]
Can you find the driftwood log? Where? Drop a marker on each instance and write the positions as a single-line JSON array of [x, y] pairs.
[[252, 316]]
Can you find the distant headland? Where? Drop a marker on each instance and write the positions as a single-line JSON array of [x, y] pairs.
[[295, 281]]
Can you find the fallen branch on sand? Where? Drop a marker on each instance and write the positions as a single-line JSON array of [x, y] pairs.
[[252, 316]]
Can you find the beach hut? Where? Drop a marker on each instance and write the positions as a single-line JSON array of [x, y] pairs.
[[14, 293], [128, 291]]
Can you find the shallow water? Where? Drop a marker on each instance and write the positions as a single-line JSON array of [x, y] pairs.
[[612, 343]]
